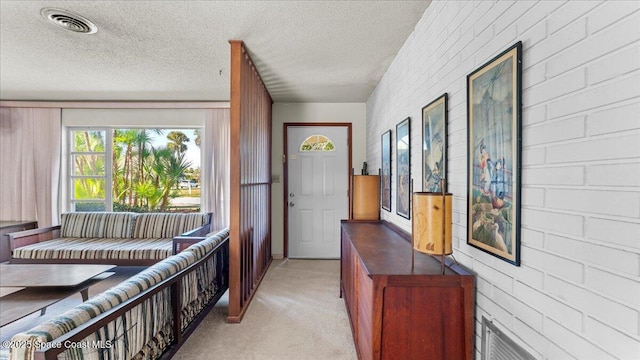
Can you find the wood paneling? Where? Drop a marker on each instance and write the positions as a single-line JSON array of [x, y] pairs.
[[250, 210]]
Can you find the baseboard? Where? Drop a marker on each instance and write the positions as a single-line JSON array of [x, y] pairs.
[[277, 256]]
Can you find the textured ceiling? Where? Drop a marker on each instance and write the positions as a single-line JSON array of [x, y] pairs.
[[306, 51]]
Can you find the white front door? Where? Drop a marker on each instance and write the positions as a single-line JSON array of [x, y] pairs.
[[318, 190]]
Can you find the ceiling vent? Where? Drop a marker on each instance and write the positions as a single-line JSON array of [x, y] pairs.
[[68, 20]]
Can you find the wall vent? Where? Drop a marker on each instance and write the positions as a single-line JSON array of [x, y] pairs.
[[496, 345]]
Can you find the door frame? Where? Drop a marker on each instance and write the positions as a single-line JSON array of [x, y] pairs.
[[285, 166]]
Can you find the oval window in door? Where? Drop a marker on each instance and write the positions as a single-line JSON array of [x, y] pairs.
[[317, 143]]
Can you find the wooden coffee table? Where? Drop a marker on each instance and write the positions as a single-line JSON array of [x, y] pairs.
[[27, 288]]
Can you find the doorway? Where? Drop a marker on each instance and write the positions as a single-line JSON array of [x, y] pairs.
[[316, 188]]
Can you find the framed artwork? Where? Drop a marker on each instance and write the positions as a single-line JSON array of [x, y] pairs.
[[434, 145], [386, 171], [403, 168], [494, 126]]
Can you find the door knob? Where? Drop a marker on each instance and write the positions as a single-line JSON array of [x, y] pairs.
[[292, 204], [291, 195]]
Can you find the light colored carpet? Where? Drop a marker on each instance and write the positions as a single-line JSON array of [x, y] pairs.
[[296, 313]]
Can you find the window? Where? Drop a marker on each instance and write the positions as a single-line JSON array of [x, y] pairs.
[[140, 170], [317, 143], [89, 177]]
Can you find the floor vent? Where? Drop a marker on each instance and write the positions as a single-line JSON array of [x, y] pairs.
[[497, 346]]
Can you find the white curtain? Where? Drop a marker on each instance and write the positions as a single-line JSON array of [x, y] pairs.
[[30, 164], [215, 169]]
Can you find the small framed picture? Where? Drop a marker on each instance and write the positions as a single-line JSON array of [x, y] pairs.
[[434, 145], [386, 171], [403, 168]]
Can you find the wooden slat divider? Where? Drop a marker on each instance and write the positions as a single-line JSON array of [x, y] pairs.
[[250, 219]]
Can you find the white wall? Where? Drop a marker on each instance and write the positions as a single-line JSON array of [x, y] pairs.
[[577, 293], [354, 113]]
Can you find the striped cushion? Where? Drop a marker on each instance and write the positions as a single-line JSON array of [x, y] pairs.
[[97, 248], [200, 287], [166, 225], [96, 224], [144, 331], [138, 330], [213, 239]]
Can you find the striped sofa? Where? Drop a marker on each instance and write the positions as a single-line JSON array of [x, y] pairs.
[[144, 317], [107, 237]]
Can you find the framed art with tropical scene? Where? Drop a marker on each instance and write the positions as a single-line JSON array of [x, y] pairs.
[[386, 171], [434, 145], [494, 155], [403, 168]]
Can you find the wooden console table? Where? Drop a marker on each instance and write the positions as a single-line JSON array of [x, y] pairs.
[[7, 227], [397, 312]]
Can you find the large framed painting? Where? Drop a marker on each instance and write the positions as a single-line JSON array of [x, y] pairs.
[[386, 171], [494, 125], [403, 168], [434, 145]]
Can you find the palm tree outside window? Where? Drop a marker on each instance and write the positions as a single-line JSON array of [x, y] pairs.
[[115, 169]]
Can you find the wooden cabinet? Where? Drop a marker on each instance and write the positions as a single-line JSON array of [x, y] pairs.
[[401, 313], [366, 197], [7, 227]]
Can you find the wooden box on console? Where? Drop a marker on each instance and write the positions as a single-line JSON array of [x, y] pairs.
[[366, 197], [401, 313]]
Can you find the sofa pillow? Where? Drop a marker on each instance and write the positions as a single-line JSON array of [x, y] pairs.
[[167, 225], [97, 224]]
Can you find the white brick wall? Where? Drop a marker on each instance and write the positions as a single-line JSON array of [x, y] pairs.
[[577, 293]]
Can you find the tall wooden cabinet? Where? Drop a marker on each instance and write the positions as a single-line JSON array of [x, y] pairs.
[[366, 197], [397, 312]]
